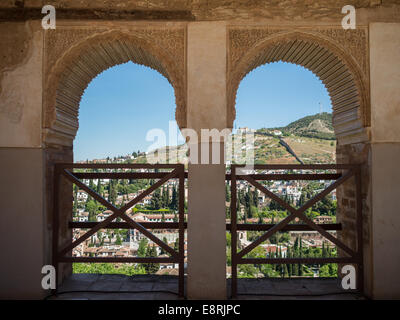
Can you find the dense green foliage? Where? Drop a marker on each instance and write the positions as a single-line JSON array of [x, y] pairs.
[[287, 270], [315, 126], [107, 268]]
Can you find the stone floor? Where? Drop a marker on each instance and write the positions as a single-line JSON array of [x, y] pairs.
[[293, 289], [152, 287]]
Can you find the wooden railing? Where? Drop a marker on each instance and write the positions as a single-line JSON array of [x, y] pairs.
[[348, 171], [66, 171]]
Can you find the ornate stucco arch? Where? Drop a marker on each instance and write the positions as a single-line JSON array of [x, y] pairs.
[[83, 54], [338, 57]]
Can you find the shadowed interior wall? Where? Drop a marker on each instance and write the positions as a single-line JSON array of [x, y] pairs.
[[22, 216], [22, 223]]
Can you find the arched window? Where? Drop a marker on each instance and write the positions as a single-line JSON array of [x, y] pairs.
[[118, 108], [289, 110]]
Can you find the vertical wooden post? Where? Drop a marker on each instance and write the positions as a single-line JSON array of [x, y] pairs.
[[360, 228], [181, 230], [233, 232], [56, 195]]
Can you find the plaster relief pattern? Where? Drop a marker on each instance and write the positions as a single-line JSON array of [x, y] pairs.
[[14, 45], [11, 102], [20, 89], [14, 52], [354, 42]]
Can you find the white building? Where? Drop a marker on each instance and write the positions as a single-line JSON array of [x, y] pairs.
[[81, 196], [83, 217]]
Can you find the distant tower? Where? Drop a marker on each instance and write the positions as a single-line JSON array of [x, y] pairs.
[[320, 108]]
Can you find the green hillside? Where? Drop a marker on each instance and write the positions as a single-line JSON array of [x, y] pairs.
[[308, 140], [315, 126]]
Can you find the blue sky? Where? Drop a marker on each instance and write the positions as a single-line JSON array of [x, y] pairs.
[[123, 103], [276, 94]]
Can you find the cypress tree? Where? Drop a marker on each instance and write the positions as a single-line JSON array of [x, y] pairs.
[[301, 254], [109, 191], [98, 189], [113, 193], [296, 269], [174, 201], [91, 184], [156, 200], [285, 271], [151, 267], [255, 198], [324, 253], [166, 197], [162, 251], [176, 245], [227, 193], [247, 203], [290, 266], [141, 252]]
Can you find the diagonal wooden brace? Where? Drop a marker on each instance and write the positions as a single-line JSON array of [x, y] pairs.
[[299, 213], [119, 213]]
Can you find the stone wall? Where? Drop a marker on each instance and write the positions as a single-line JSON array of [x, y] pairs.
[[359, 153], [288, 10], [20, 84], [346, 194]]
